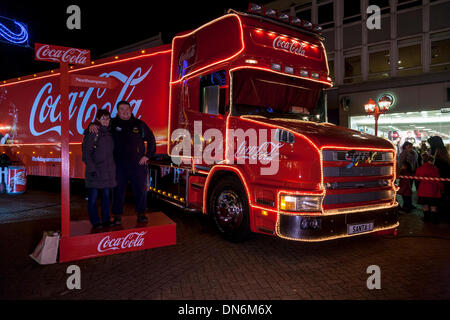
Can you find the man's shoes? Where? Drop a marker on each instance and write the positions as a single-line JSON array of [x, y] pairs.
[[117, 221], [97, 226], [108, 224], [142, 218]]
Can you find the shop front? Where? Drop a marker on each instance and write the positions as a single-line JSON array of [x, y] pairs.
[[416, 113]]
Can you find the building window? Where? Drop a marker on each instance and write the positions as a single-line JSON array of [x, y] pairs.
[[383, 4], [415, 127], [303, 11], [352, 11], [379, 65], [409, 60], [326, 17], [406, 4], [352, 69], [440, 55]]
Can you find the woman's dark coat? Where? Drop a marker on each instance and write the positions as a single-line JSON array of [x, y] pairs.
[[99, 159]]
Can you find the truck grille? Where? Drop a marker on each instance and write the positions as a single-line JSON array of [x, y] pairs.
[[367, 183]]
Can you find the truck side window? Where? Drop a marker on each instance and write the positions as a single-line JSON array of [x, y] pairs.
[[213, 92]]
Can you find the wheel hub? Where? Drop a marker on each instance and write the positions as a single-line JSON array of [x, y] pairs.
[[229, 209]]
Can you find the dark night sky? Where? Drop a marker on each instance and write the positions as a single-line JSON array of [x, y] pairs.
[[105, 26]]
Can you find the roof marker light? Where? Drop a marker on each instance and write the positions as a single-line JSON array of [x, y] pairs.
[[276, 66], [315, 75], [288, 69], [307, 24], [283, 17], [304, 73], [296, 21], [318, 28], [255, 8], [271, 13]]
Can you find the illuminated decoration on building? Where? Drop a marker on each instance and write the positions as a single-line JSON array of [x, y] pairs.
[[386, 98], [13, 32]]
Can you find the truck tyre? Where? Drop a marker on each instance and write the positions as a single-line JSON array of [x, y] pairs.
[[228, 208]]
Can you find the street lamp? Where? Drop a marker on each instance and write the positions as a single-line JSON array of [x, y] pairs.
[[376, 109]]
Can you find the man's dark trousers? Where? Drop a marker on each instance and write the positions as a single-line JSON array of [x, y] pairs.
[[137, 175]]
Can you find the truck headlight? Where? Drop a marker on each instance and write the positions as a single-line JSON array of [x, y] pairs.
[[300, 203]]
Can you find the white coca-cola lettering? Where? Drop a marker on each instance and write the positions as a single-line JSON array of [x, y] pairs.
[[70, 55], [131, 240], [260, 153], [45, 111], [289, 46]]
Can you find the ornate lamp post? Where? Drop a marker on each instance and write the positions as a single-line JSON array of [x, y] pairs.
[[376, 109]]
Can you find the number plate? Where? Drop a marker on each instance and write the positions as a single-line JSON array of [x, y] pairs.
[[360, 227]]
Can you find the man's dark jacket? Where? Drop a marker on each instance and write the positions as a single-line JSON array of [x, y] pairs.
[[129, 136]]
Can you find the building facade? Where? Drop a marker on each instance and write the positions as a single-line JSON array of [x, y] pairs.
[[406, 59]]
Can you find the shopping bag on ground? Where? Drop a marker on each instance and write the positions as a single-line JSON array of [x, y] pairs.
[[46, 251]]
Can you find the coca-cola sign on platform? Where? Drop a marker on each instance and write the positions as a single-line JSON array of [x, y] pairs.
[[45, 52], [131, 240]]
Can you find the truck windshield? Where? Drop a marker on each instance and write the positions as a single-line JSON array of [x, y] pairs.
[[271, 95]]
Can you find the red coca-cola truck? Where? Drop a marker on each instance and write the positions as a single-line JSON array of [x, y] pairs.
[[238, 110]]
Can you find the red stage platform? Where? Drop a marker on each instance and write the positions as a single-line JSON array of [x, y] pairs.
[[84, 242]]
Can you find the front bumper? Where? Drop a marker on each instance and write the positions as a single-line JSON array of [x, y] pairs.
[[327, 227]]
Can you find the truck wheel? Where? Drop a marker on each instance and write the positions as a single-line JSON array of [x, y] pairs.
[[228, 208]]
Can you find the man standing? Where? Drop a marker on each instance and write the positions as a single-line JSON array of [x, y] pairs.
[[131, 160]]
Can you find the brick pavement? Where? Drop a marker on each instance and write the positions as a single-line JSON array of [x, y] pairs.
[[415, 265]]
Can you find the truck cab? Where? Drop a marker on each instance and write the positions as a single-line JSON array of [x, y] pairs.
[[249, 143]]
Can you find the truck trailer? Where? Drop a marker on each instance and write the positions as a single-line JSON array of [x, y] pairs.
[[238, 109]]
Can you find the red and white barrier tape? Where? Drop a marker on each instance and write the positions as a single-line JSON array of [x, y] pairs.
[[423, 178]]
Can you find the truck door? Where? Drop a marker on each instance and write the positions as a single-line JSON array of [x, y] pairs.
[[208, 118]]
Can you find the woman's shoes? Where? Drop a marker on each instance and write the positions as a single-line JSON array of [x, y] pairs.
[[97, 226], [108, 224]]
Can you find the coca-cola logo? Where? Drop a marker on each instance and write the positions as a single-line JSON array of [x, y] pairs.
[[61, 54], [131, 240], [260, 153], [45, 113], [289, 46]]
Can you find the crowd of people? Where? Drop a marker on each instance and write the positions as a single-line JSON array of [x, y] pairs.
[[430, 160], [114, 153]]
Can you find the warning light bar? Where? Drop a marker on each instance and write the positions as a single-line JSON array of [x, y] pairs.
[[274, 14]]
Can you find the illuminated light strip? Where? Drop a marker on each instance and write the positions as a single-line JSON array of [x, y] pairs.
[[281, 73], [37, 145], [277, 231], [228, 168], [286, 37], [14, 38], [264, 208], [89, 67], [219, 61]]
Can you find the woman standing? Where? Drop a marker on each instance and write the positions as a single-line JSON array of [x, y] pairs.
[[100, 168], [429, 191]]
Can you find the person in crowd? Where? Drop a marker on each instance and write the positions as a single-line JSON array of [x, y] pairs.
[[429, 192], [409, 155], [442, 162], [405, 189], [131, 158], [100, 173]]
